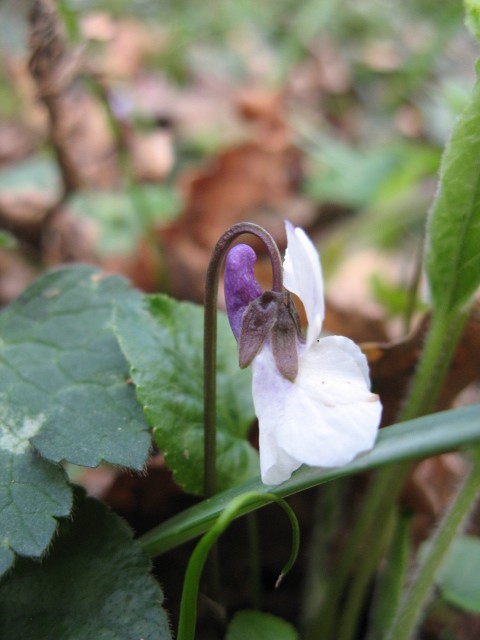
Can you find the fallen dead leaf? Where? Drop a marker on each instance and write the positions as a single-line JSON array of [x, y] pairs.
[[429, 490], [126, 43], [16, 273], [16, 142], [255, 181], [392, 366]]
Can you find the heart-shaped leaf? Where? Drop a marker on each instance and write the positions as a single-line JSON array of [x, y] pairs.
[[32, 492], [63, 388], [94, 583], [163, 341]]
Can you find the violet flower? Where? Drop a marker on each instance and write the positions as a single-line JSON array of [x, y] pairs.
[[312, 396]]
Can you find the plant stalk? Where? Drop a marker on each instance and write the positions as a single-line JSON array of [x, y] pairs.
[[382, 495], [443, 335], [363, 575], [418, 595]]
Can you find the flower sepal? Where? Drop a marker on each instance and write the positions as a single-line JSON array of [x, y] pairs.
[[286, 337], [271, 315]]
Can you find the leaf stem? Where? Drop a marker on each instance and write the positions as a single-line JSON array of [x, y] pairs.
[[210, 334], [390, 585], [444, 332], [188, 606], [418, 595]]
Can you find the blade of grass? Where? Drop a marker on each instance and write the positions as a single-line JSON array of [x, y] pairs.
[[415, 439]]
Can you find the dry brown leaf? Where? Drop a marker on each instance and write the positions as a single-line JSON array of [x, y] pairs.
[[391, 367], [393, 364], [352, 323], [69, 239], [429, 490], [15, 275], [255, 181], [240, 183], [266, 111], [16, 142], [382, 55], [143, 266], [126, 43], [25, 208]]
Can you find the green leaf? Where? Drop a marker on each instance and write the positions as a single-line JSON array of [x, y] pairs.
[[363, 177], [63, 390], [256, 625], [459, 577], [7, 240], [410, 440], [163, 341], [346, 175], [472, 16], [453, 230], [32, 492], [124, 217], [395, 298], [94, 583], [39, 173]]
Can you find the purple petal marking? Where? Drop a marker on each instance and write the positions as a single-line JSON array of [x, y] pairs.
[[241, 286]]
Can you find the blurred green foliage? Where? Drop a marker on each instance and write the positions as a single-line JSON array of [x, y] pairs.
[[372, 141], [127, 215]]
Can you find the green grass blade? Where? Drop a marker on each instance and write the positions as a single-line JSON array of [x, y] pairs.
[[415, 439]]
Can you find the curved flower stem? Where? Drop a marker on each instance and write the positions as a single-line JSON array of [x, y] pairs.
[[418, 595], [210, 334], [188, 606]]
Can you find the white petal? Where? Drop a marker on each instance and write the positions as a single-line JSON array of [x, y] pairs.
[[275, 464], [269, 388], [330, 414], [302, 275], [333, 347], [324, 419]]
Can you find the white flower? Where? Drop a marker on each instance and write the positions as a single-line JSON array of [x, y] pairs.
[[327, 414]]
